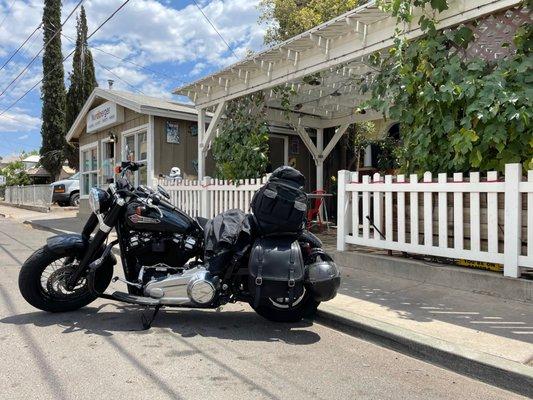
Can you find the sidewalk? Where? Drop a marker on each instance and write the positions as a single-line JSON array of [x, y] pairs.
[[58, 220], [486, 337]]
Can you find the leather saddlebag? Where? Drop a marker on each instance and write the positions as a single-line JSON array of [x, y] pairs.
[[276, 270]]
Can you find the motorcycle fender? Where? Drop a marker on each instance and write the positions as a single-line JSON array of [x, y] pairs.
[[58, 244], [62, 243]]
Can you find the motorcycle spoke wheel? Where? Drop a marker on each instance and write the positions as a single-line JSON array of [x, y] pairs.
[[54, 278]]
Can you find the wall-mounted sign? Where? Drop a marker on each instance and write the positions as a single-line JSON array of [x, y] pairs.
[[173, 132], [104, 116]]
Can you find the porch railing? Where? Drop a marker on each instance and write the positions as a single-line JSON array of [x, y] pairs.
[[30, 195], [479, 218], [211, 196]]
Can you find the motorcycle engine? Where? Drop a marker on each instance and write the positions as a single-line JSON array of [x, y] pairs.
[[161, 254]]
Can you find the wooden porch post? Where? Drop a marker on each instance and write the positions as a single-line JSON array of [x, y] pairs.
[[201, 138]]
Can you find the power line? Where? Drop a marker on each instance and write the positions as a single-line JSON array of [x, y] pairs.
[[214, 27], [152, 71], [7, 13], [118, 77], [106, 68], [42, 48], [20, 47], [17, 120], [68, 55]]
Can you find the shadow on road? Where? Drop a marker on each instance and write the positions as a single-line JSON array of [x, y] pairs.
[[234, 325]]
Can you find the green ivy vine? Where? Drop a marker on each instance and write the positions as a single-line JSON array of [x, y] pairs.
[[457, 113], [240, 150]]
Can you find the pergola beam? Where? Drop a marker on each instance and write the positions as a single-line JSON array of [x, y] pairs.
[[304, 135], [334, 140], [375, 33], [213, 126]]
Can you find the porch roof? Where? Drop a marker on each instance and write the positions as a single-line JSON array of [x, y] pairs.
[[139, 103], [321, 65]]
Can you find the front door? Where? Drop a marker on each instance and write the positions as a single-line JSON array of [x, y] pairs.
[[277, 152]]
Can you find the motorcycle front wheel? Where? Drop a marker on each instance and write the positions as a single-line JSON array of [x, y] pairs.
[[42, 280], [278, 310]]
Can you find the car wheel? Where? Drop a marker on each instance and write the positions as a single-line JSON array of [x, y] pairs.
[[75, 200]]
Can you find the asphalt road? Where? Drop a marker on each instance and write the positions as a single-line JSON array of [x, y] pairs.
[[99, 353]]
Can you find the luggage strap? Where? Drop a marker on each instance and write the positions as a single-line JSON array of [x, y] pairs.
[[259, 277], [291, 282]]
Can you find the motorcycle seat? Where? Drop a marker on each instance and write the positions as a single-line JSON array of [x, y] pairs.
[[202, 222]]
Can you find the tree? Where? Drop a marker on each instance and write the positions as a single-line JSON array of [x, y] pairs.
[[288, 18], [82, 83], [15, 174], [53, 91], [240, 149], [457, 113]]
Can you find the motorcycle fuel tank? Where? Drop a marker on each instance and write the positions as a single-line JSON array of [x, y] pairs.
[[142, 218]]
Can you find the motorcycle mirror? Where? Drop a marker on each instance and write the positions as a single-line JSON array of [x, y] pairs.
[[163, 192]]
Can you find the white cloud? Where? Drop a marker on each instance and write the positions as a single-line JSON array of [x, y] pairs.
[[23, 137], [147, 32], [18, 121]]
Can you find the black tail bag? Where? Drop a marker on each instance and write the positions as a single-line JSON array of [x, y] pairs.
[[276, 269], [281, 204]]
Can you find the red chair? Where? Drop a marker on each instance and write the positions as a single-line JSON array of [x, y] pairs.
[[314, 211]]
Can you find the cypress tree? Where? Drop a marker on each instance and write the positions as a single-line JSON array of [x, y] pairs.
[[52, 91], [82, 83]]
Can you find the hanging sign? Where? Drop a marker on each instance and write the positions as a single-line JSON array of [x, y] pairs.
[[104, 116]]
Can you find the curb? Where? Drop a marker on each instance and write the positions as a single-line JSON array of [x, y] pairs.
[[496, 371]]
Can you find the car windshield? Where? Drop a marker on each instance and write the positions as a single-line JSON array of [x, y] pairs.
[[75, 176]]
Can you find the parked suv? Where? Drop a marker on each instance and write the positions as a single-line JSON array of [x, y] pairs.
[[67, 191]]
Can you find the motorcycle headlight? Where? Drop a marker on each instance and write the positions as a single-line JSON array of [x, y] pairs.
[[98, 200]]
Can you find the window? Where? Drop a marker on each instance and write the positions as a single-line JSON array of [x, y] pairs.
[[108, 162], [89, 168], [135, 148]]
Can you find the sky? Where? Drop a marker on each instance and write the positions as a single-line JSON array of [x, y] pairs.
[[170, 39]]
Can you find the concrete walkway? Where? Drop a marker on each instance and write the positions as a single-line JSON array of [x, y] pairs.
[[484, 336]]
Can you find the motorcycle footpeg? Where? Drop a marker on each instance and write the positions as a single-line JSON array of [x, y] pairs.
[[139, 300]]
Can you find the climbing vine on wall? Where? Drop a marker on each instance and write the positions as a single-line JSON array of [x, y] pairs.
[[457, 113], [241, 148]]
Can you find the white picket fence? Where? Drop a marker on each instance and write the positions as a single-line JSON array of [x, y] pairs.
[[211, 196], [30, 195], [487, 219]]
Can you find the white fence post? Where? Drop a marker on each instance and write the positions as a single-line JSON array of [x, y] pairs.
[[206, 198], [513, 220], [342, 208]]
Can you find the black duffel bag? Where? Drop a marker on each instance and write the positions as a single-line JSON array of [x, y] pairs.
[[276, 269], [280, 206]]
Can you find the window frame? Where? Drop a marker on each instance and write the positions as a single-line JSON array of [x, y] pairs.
[[85, 148], [103, 143], [136, 132]]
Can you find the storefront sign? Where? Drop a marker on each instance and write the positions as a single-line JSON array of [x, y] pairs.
[[104, 116]]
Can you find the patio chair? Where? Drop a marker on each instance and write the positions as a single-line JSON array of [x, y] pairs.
[[314, 211]]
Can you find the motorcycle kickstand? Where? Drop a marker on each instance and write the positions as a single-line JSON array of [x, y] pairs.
[[147, 323]]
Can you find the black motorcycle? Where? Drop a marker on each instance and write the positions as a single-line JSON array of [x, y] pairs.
[[283, 276]]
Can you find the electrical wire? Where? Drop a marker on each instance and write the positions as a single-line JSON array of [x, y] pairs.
[[152, 71], [118, 77], [64, 58], [214, 27], [17, 120], [7, 13], [42, 48], [20, 47]]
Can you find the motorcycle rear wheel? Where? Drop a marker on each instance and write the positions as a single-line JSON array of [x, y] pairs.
[[278, 311], [42, 281]]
